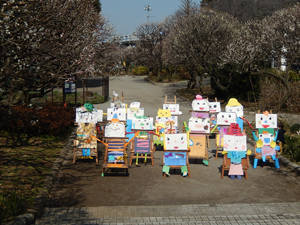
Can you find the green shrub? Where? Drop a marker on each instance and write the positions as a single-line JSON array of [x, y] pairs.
[[295, 128], [292, 147], [141, 70]]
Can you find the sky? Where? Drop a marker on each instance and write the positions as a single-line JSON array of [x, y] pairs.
[[126, 15]]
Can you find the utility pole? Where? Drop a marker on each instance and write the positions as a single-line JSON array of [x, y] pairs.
[[148, 9]]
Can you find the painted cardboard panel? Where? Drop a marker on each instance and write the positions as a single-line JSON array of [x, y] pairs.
[[200, 114], [214, 107], [236, 109], [235, 143], [199, 125], [168, 122], [117, 105], [133, 112], [116, 157], [174, 108], [175, 158], [197, 146], [200, 105], [94, 116], [84, 132], [120, 113], [143, 124], [159, 129], [142, 146], [114, 129], [164, 113], [176, 142], [135, 105], [226, 118], [266, 120], [220, 136]]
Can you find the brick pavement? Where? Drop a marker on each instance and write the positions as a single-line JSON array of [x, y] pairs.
[[259, 214]]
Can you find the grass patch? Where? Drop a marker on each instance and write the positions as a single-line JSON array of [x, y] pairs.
[[22, 172]]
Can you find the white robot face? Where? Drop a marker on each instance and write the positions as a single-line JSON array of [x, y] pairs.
[[266, 120], [132, 113], [201, 125], [118, 113], [176, 141], [214, 107], [200, 105], [226, 118], [266, 138], [236, 109], [114, 129], [174, 108], [235, 143]]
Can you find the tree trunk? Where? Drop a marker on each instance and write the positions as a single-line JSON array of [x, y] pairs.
[[192, 82], [201, 85]]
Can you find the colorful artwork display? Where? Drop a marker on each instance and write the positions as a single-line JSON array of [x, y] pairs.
[[114, 129], [199, 125], [267, 136], [200, 104]]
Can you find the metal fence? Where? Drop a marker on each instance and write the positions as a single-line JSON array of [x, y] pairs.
[[87, 87]]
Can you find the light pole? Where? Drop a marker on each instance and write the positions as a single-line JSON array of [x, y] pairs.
[[148, 9]]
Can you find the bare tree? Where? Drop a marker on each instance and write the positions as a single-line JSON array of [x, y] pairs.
[[45, 42], [200, 41], [151, 36]]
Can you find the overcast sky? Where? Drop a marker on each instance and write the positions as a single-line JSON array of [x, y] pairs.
[[126, 15]]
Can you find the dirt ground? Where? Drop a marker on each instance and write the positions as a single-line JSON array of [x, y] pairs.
[[81, 184]]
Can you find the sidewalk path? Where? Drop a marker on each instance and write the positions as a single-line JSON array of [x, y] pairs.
[[259, 214], [81, 196]]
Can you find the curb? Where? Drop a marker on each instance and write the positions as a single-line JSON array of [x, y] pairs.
[[167, 84], [38, 208]]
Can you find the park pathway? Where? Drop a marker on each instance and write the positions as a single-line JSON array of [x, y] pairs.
[[82, 196], [230, 214]]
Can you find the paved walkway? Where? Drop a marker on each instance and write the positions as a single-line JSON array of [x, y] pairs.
[[254, 212], [272, 213]]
